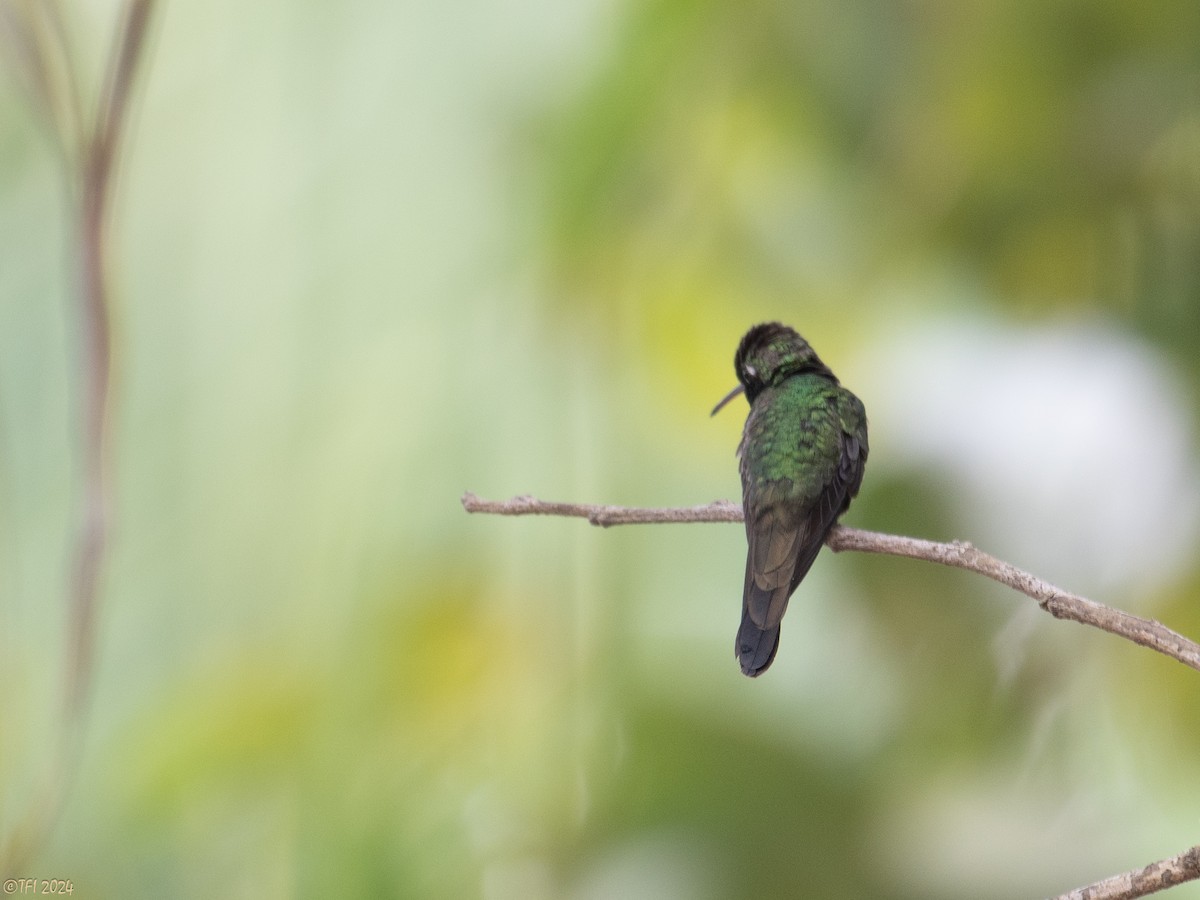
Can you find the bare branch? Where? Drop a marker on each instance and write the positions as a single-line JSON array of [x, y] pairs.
[[1140, 882], [96, 175], [99, 174], [39, 52], [1059, 603], [604, 516]]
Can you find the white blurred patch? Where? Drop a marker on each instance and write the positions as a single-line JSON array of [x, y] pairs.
[[652, 867], [1066, 449]]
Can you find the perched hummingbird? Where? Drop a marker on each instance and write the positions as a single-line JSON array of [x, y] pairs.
[[803, 452]]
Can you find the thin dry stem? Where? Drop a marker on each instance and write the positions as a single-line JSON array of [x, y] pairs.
[[1141, 882], [39, 54], [1059, 603], [99, 174], [96, 175]]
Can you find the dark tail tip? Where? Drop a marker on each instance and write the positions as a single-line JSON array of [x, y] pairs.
[[755, 648]]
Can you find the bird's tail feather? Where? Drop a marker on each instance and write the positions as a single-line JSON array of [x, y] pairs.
[[755, 647]]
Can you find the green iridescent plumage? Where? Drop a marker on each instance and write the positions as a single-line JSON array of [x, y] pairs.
[[803, 452]]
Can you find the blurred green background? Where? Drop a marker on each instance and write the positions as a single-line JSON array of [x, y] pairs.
[[369, 255]]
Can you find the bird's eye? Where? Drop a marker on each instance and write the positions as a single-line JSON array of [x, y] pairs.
[[751, 371]]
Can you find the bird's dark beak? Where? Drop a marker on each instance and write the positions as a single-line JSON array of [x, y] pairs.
[[740, 389]]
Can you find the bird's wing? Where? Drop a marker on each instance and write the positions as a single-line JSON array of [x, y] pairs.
[[777, 542], [784, 541]]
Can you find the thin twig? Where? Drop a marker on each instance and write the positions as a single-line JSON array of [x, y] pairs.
[[96, 175], [100, 162], [38, 50], [1141, 882], [604, 516], [1059, 603]]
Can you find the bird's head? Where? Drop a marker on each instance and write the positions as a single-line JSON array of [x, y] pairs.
[[768, 354]]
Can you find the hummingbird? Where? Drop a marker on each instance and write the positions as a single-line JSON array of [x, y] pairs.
[[803, 451]]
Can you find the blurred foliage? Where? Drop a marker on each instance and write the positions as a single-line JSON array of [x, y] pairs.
[[768, 148], [368, 256]]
